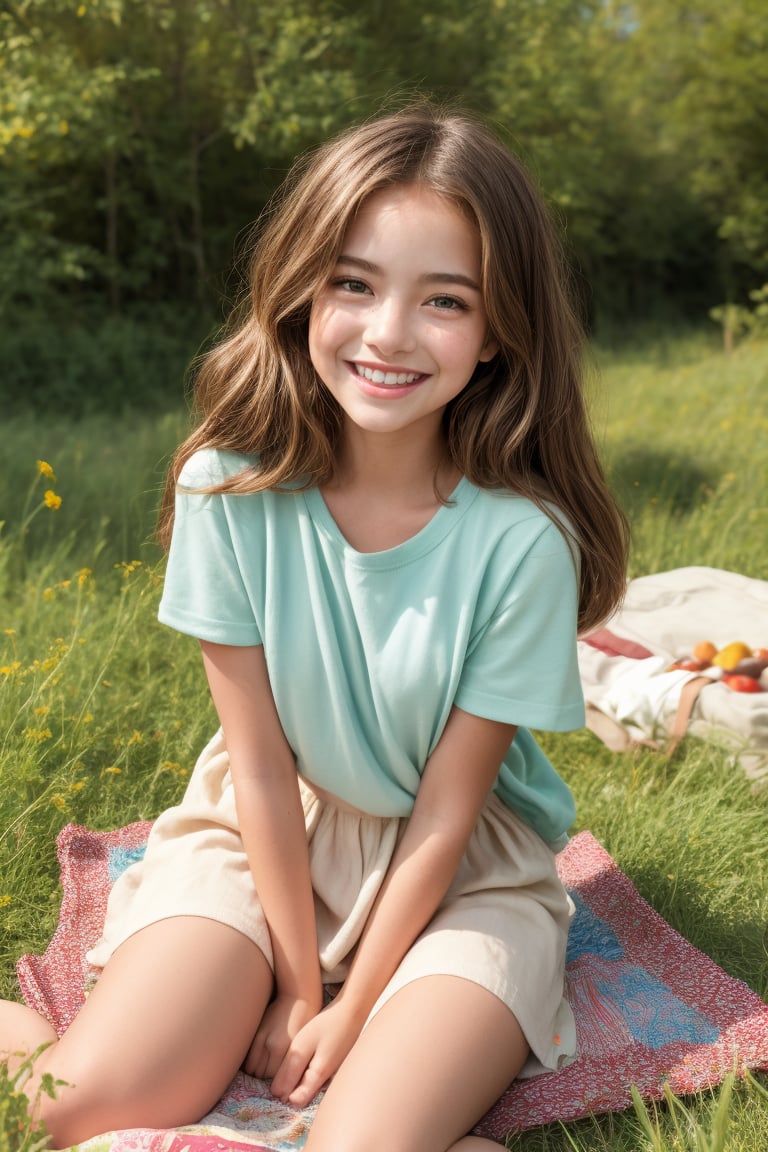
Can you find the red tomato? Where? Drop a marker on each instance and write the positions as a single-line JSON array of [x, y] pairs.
[[742, 683]]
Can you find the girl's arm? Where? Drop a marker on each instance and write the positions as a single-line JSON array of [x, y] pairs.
[[271, 820], [455, 784]]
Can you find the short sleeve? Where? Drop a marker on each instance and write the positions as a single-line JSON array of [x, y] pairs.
[[521, 666], [204, 593]]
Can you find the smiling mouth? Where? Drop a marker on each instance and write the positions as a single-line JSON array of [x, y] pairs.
[[388, 379]]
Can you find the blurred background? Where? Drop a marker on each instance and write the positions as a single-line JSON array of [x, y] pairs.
[[140, 138]]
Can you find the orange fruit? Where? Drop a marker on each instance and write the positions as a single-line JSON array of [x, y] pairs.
[[705, 650], [728, 657]]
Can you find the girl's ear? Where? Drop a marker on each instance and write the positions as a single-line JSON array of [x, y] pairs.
[[489, 349]]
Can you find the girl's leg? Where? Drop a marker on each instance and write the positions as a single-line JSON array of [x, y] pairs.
[[162, 1033], [431, 1062], [22, 1031]]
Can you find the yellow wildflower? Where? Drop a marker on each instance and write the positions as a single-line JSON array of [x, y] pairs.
[[43, 710], [51, 499], [48, 594], [10, 631], [136, 738], [59, 802], [63, 127], [9, 669], [88, 718], [83, 575], [38, 735], [45, 469], [5, 901], [113, 770]]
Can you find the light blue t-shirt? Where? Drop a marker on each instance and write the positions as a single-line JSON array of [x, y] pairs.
[[368, 652]]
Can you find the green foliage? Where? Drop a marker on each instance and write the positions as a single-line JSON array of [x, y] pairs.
[[17, 1131], [80, 361], [738, 321], [138, 138]]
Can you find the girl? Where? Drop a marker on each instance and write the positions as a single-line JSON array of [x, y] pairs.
[[388, 527]]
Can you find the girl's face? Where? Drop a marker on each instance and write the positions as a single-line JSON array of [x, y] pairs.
[[401, 325]]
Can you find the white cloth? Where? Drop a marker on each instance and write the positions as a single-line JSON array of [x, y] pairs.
[[668, 613]]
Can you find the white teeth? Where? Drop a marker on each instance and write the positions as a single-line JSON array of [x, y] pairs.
[[376, 376]]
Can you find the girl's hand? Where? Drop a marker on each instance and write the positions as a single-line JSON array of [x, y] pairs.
[[281, 1023], [315, 1054]]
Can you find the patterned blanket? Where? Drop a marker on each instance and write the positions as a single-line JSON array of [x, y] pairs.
[[650, 1008]]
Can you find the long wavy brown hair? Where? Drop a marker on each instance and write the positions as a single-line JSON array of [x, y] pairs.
[[521, 422]]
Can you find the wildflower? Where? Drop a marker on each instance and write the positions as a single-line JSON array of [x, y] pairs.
[[113, 770], [45, 469], [43, 710], [9, 669], [59, 802], [38, 735], [10, 631], [136, 738], [48, 594], [5, 901], [88, 718], [51, 499], [83, 576]]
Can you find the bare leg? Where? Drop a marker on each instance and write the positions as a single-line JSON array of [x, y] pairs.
[[162, 1033], [22, 1032], [428, 1066]]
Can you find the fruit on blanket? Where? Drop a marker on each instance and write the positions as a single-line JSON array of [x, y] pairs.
[[729, 656], [741, 683], [761, 654], [752, 666], [687, 665], [705, 651]]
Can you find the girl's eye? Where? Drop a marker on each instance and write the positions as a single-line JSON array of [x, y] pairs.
[[448, 303], [357, 287]]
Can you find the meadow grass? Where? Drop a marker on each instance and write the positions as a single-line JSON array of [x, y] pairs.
[[103, 711]]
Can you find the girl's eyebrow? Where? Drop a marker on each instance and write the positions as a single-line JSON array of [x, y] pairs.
[[427, 278]]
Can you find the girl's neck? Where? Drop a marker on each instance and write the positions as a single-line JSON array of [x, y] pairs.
[[404, 467], [383, 493]]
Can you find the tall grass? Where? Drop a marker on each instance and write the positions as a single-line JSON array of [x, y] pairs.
[[102, 711]]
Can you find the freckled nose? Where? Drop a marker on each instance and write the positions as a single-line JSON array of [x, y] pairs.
[[389, 327]]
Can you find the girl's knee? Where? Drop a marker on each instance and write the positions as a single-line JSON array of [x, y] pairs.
[[77, 1102]]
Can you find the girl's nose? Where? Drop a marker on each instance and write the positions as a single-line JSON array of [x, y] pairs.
[[389, 327]]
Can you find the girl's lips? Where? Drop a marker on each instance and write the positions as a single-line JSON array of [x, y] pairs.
[[386, 376]]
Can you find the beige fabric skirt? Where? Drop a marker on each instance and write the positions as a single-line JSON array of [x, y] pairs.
[[503, 923]]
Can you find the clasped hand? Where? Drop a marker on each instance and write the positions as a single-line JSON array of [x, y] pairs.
[[301, 1048]]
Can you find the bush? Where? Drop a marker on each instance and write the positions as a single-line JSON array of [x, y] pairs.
[[82, 361]]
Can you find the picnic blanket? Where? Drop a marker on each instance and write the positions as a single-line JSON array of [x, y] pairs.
[[650, 1008], [630, 693]]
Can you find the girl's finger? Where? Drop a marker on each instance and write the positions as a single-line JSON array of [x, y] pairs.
[[292, 1069], [315, 1077], [255, 1060]]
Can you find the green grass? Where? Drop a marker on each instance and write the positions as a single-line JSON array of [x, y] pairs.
[[102, 711]]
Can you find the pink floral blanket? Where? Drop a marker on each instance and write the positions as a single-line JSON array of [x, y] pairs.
[[650, 1008]]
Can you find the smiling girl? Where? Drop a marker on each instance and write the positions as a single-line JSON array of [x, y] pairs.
[[385, 532]]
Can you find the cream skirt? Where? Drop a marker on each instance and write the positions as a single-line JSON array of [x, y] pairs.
[[503, 923]]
